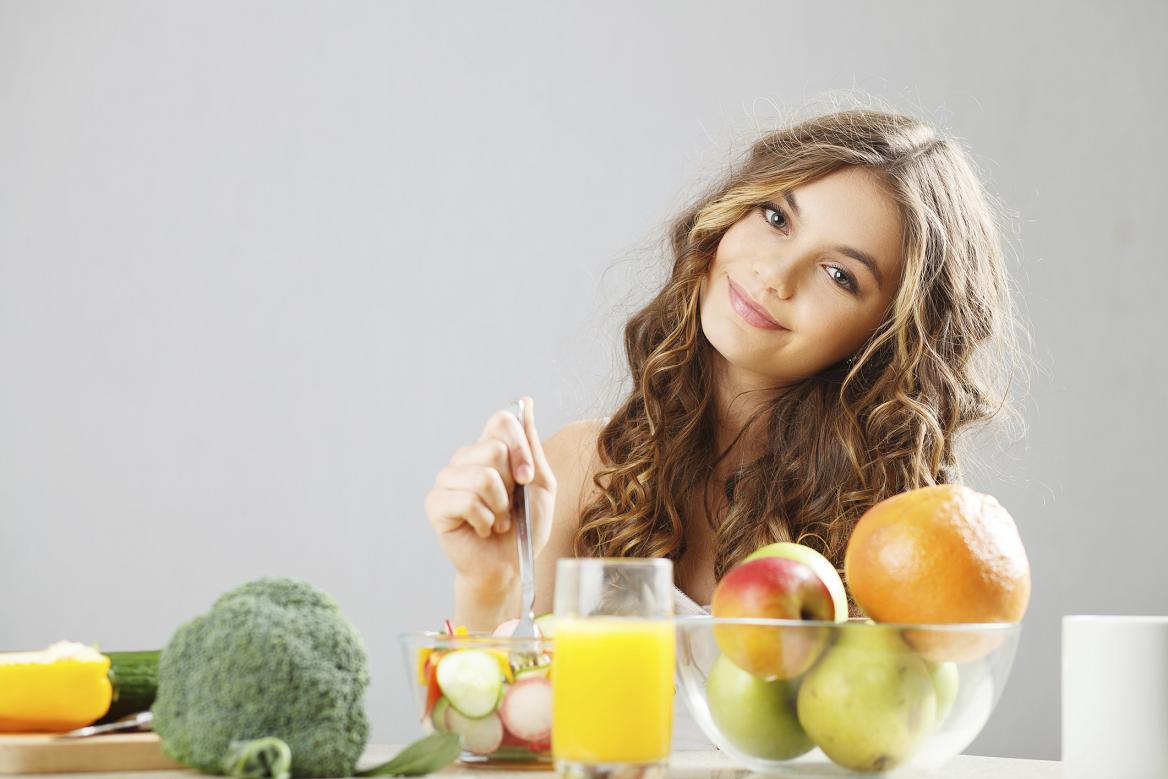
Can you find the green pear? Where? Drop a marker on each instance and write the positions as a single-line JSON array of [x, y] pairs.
[[756, 716], [945, 681], [870, 701]]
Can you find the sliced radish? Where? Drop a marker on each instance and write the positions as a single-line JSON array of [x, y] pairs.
[[472, 681], [506, 628], [481, 735], [527, 709], [512, 740]]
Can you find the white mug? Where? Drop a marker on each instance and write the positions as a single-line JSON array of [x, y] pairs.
[[1115, 697]]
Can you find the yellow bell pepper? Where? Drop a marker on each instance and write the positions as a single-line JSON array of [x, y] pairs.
[[63, 687]]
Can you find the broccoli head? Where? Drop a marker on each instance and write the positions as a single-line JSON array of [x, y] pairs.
[[272, 658]]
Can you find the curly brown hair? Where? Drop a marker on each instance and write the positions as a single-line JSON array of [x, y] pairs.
[[855, 433]]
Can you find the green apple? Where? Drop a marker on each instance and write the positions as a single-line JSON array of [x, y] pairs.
[[755, 716], [870, 701], [945, 681], [817, 562]]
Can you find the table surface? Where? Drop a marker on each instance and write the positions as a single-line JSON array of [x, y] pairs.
[[682, 765]]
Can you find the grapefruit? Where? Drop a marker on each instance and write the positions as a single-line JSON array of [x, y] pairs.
[[940, 555]]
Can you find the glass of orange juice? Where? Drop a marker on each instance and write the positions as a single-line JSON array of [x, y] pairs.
[[612, 680]]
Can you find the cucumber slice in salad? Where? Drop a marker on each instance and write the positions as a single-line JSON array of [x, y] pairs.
[[472, 682], [438, 715], [482, 735]]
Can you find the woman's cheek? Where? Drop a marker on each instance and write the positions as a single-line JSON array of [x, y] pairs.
[[819, 343]]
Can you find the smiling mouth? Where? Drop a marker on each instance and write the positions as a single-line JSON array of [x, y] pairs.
[[749, 311]]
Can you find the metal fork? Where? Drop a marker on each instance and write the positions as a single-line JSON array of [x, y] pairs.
[[521, 521]]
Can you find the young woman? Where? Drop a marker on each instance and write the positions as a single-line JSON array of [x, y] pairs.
[[837, 315]]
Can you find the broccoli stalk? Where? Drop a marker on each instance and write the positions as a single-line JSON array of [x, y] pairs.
[[270, 758], [264, 758]]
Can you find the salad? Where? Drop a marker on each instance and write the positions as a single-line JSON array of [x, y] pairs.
[[498, 703]]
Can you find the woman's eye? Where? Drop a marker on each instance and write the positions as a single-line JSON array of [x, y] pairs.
[[841, 277], [773, 215]]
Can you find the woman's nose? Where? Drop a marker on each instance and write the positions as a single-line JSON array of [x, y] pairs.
[[778, 275]]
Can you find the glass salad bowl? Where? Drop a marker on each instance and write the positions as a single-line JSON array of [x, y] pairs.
[[798, 696], [493, 691]]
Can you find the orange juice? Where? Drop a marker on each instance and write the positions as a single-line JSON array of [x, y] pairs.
[[612, 689]]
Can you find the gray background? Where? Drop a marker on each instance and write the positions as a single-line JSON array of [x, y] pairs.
[[264, 266]]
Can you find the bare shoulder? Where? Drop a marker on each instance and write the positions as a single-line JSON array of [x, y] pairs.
[[576, 438], [573, 456]]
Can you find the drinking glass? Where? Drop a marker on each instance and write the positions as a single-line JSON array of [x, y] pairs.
[[612, 680]]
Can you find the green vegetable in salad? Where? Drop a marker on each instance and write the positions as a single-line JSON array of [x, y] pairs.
[[472, 682]]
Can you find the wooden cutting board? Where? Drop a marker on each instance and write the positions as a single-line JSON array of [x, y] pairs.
[[43, 753]]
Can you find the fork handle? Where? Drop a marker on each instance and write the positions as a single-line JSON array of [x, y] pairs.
[[521, 520]]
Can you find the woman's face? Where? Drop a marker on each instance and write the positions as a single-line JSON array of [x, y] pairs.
[[796, 258]]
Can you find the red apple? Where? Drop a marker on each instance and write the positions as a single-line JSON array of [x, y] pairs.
[[820, 564], [773, 588]]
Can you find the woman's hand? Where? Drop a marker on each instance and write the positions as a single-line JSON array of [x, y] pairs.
[[469, 506]]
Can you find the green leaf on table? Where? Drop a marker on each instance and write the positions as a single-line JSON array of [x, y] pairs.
[[424, 756]]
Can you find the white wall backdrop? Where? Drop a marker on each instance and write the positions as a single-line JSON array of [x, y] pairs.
[[264, 266]]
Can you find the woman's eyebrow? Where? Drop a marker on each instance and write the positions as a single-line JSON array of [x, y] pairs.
[[847, 251], [863, 257], [790, 198]]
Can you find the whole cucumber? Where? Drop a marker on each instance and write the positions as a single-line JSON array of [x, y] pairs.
[[134, 676]]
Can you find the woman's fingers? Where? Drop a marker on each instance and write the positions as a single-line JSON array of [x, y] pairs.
[[477, 485], [518, 465], [543, 475], [485, 482], [448, 509]]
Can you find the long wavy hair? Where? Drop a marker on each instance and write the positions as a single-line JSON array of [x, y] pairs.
[[857, 432]]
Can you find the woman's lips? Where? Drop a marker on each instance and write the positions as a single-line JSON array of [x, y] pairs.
[[749, 310]]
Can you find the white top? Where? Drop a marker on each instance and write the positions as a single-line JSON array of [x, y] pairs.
[[687, 734], [685, 606]]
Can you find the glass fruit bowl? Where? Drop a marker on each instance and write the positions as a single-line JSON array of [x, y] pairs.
[[493, 691], [792, 696]]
